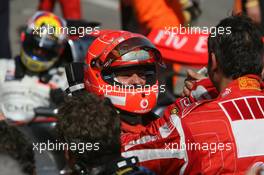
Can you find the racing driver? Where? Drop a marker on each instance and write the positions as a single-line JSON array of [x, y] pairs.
[[227, 131], [122, 66], [34, 77]]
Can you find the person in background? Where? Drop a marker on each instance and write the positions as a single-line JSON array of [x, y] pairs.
[[16, 146], [70, 9], [38, 69], [5, 51], [88, 119], [252, 8], [148, 15]]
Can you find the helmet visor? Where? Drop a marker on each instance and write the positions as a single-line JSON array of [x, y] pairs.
[[131, 75], [44, 48]]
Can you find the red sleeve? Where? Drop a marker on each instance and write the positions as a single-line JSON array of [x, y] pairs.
[[163, 147], [160, 147], [71, 9], [46, 5]]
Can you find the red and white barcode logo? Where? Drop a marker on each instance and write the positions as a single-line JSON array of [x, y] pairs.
[[244, 108], [246, 116]]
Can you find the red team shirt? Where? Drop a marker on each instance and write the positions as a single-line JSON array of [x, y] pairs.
[[220, 136]]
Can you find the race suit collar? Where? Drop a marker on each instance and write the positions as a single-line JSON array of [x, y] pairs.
[[247, 82]]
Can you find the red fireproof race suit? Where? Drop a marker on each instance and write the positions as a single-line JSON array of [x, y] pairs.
[[226, 133], [157, 144], [71, 9]]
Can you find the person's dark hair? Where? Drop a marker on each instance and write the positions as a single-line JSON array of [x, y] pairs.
[[85, 118], [239, 50], [14, 144]]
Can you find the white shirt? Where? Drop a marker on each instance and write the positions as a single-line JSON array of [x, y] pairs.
[[18, 98]]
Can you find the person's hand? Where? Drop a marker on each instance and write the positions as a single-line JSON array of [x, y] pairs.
[[188, 83], [253, 11], [257, 169]]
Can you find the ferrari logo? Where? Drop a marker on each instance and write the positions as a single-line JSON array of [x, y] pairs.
[[175, 111]]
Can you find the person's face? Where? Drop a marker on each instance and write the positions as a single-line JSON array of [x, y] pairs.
[[131, 77]]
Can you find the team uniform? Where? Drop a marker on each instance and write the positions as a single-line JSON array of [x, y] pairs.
[[157, 147], [226, 133], [170, 134], [21, 92], [70, 9], [29, 80]]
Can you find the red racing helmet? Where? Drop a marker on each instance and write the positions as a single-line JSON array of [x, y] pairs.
[[113, 52]]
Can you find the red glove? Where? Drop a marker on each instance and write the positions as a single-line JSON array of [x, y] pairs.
[[202, 90]]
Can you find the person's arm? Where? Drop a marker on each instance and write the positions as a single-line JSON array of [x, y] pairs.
[[156, 14], [201, 90], [46, 5], [163, 147], [71, 9], [250, 7]]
